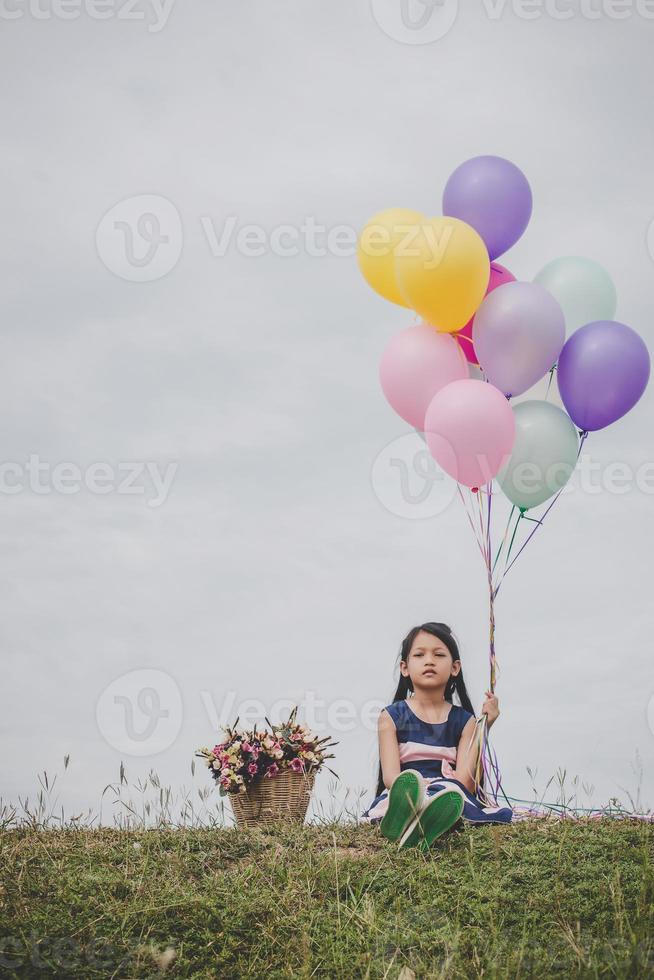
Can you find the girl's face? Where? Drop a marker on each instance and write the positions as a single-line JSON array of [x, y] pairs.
[[429, 664]]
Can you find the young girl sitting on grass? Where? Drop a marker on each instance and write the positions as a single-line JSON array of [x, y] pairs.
[[427, 763]]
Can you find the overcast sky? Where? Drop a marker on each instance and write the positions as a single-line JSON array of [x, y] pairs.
[[148, 344]]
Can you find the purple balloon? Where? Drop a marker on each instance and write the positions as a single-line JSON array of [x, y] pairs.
[[602, 372], [494, 196], [518, 333]]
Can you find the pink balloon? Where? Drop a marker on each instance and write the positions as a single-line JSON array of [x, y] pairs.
[[470, 430], [416, 364], [498, 277]]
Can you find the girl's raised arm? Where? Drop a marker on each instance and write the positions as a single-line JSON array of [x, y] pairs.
[[389, 750]]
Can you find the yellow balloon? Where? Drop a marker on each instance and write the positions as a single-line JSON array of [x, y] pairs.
[[443, 274], [385, 232]]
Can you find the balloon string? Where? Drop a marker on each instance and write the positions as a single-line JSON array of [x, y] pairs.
[[584, 435], [491, 611], [489, 767], [458, 486], [506, 532], [491, 596], [552, 370], [478, 736], [481, 525], [488, 524], [484, 535], [494, 765], [508, 554], [487, 777]]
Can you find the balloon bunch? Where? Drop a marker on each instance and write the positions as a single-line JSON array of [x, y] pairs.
[[485, 338]]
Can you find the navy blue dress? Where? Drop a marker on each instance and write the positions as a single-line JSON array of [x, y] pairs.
[[431, 751]]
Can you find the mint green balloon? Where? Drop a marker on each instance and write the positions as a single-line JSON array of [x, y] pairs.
[[544, 454], [583, 289]]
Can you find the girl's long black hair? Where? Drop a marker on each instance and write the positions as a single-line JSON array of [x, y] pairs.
[[455, 684]]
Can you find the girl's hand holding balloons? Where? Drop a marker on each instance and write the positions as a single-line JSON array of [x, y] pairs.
[[490, 708]]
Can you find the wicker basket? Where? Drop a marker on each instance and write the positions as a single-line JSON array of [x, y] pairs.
[[282, 797]]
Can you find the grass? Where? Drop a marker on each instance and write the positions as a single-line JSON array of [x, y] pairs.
[[544, 898], [529, 900]]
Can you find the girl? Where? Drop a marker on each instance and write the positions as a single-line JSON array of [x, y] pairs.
[[426, 760]]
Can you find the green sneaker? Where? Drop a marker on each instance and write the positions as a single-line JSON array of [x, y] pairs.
[[437, 815], [404, 801]]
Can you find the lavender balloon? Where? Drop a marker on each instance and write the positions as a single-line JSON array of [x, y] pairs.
[[494, 196], [518, 333], [602, 372]]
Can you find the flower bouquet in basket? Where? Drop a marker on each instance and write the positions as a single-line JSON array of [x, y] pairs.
[[269, 774]]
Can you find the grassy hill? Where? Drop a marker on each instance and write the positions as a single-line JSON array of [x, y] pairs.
[[537, 899]]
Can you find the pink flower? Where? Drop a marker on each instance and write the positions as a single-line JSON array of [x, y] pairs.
[[252, 768], [297, 737], [296, 765], [225, 781], [217, 749], [272, 770], [246, 747]]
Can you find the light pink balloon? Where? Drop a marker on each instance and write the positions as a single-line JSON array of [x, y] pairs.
[[470, 430], [417, 363], [499, 276]]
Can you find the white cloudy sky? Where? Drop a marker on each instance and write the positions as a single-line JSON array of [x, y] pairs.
[[273, 567]]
